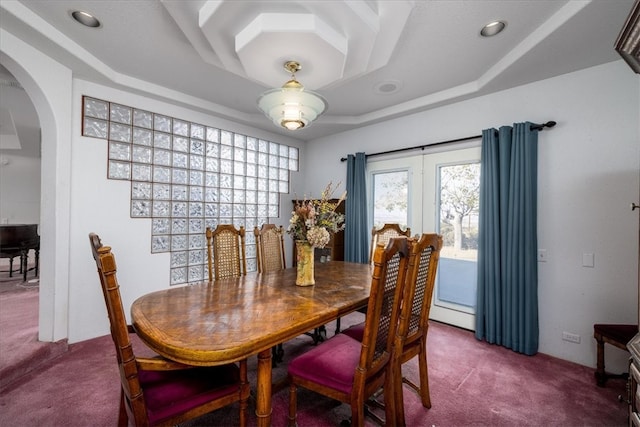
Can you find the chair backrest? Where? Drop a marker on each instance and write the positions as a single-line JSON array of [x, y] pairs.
[[132, 391], [418, 292], [387, 284], [226, 251], [382, 235], [270, 245]]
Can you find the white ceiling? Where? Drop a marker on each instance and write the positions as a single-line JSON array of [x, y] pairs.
[[219, 56]]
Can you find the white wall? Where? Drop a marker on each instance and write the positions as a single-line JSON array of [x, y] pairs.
[[20, 189], [588, 175], [48, 84], [102, 206], [20, 168]]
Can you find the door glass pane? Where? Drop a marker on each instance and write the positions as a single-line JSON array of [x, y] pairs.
[[458, 199], [390, 198]]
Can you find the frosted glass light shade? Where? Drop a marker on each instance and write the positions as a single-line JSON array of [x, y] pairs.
[[292, 107]]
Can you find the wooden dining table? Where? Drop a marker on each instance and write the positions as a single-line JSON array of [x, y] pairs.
[[227, 320]]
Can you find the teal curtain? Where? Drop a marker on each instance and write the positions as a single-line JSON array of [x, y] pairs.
[[507, 304], [356, 244]]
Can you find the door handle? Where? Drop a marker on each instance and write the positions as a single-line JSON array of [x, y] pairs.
[[634, 206]]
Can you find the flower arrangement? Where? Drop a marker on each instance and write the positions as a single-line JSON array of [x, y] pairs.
[[313, 220]]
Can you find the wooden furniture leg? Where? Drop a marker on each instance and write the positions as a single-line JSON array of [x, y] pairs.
[[11, 267], [263, 389], [24, 260], [616, 335], [37, 262]]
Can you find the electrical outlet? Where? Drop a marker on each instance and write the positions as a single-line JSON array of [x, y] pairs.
[[568, 336]]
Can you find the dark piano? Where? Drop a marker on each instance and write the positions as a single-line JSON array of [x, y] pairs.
[[16, 240]]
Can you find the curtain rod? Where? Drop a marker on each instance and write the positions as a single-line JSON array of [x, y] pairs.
[[548, 124]]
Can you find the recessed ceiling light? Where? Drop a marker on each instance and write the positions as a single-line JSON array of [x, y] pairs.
[[492, 28], [85, 19], [387, 87]]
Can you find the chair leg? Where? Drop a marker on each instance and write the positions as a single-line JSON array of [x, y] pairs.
[[424, 378], [244, 393], [293, 398], [393, 400], [123, 419], [357, 413], [277, 352]]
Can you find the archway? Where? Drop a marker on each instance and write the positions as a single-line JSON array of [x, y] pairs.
[[49, 86]]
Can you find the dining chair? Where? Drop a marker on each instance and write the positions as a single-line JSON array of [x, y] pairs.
[[383, 234], [270, 251], [157, 391], [270, 254], [270, 248], [348, 370], [413, 320], [226, 252]]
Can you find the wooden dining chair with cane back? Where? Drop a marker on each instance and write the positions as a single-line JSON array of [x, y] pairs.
[[270, 254], [348, 370], [383, 234], [226, 252], [157, 391], [270, 248], [378, 236], [413, 321], [270, 251]]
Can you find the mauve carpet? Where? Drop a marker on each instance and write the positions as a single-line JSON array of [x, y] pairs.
[[472, 384], [20, 351]]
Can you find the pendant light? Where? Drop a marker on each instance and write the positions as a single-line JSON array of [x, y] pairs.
[[292, 106]]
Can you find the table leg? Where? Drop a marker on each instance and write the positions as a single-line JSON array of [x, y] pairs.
[[263, 392], [601, 376]]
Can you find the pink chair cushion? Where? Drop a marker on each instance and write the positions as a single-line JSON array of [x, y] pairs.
[[168, 393], [331, 364], [356, 331]]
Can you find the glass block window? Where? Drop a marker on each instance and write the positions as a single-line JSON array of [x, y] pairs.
[[186, 176]]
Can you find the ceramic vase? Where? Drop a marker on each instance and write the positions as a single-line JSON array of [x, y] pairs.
[[304, 262]]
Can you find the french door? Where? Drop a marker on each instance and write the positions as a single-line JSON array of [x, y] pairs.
[[437, 192]]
